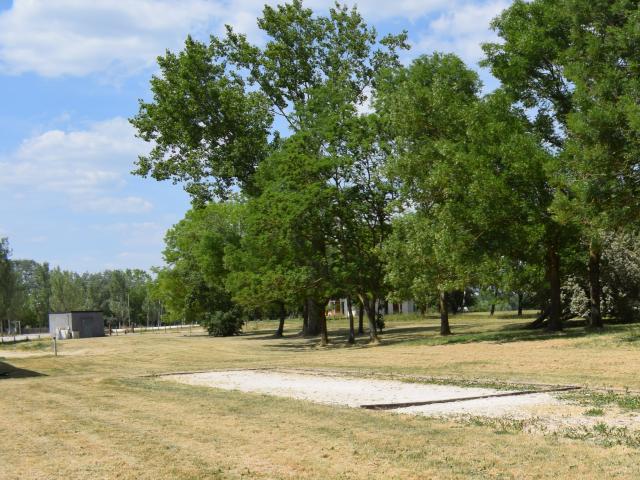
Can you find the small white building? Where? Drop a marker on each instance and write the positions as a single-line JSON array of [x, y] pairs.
[[84, 323]]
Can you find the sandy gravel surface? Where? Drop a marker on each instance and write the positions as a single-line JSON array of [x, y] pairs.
[[541, 412], [354, 392]]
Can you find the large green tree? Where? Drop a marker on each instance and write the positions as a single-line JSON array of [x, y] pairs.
[[574, 63], [472, 179], [313, 73], [365, 202], [426, 107], [193, 283]]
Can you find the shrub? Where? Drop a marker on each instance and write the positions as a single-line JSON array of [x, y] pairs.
[[224, 324]]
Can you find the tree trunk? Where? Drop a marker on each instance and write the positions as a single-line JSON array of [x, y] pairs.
[[315, 317], [305, 318], [370, 308], [283, 314], [444, 314], [464, 300], [495, 299], [539, 321], [352, 333], [519, 304], [595, 292], [360, 319], [324, 337], [553, 274]]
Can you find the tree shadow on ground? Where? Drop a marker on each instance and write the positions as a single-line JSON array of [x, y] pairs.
[[428, 334], [9, 371], [507, 334], [261, 331]]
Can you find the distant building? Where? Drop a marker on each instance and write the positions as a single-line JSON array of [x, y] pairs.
[[338, 307], [85, 323]]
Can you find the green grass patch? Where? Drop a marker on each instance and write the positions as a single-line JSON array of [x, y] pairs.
[[597, 400], [594, 412], [605, 435]]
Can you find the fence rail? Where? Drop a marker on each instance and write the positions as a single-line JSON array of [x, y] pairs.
[[161, 329], [24, 337], [116, 331]]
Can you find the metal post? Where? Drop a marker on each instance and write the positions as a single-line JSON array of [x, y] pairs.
[[55, 346]]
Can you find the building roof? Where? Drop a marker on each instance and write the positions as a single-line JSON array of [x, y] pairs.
[[79, 311]]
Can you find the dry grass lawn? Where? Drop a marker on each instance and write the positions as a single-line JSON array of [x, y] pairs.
[[93, 411]]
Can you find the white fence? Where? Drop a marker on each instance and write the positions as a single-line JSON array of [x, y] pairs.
[[23, 337], [162, 329], [114, 331]]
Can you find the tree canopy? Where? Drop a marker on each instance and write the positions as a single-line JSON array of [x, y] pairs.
[[346, 174]]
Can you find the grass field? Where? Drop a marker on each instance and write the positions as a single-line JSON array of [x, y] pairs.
[[94, 411]]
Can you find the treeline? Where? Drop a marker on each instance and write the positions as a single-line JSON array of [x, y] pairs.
[[394, 181], [29, 291], [320, 166]]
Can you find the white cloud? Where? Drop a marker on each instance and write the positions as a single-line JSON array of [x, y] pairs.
[[85, 167], [461, 30], [78, 37], [122, 38]]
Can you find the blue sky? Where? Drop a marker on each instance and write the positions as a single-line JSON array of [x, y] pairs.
[[71, 73]]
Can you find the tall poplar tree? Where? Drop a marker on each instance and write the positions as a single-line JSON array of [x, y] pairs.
[[212, 118]]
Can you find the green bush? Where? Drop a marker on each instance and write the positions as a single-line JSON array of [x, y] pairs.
[[224, 324]]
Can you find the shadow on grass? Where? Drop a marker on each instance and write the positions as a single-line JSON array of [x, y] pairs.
[[263, 332], [428, 334], [9, 371], [506, 334]]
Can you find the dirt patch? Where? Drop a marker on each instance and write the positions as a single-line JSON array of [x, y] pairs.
[[355, 392], [540, 412]]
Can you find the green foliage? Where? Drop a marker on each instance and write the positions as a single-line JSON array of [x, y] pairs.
[[573, 63], [193, 283], [223, 324], [310, 235], [437, 189], [620, 280], [66, 291], [33, 292], [8, 282], [425, 107], [594, 412], [460, 229], [207, 129]]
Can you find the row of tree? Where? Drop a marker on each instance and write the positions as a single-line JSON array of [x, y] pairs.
[[320, 166], [29, 291]]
